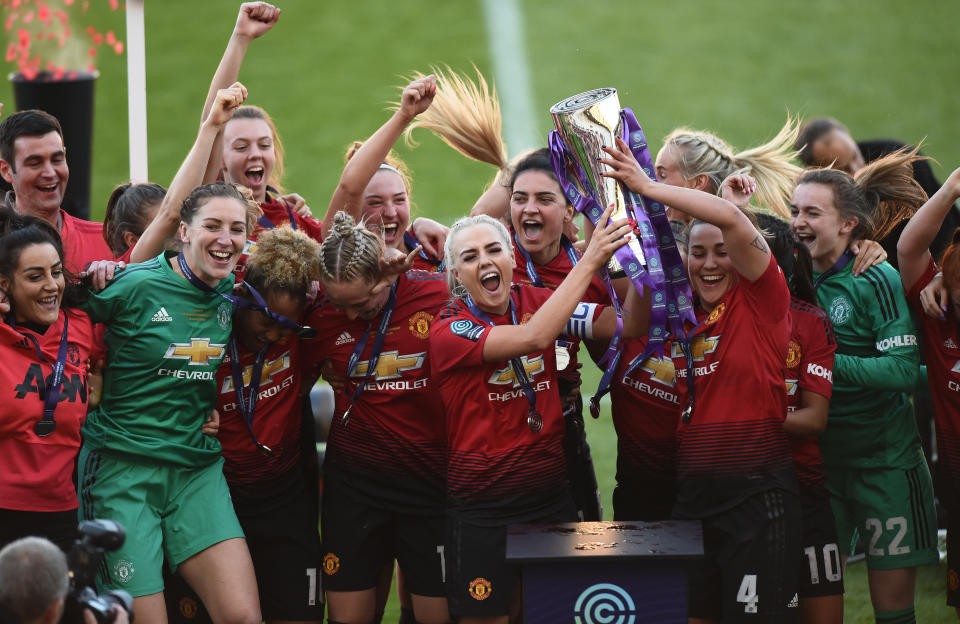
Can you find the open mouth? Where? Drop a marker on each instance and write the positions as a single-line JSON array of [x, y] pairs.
[[48, 189], [711, 280], [490, 281], [221, 256], [254, 176], [532, 229], [390, 229], [47, 301]]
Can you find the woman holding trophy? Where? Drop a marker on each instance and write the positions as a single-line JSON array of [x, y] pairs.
[[747, 500]]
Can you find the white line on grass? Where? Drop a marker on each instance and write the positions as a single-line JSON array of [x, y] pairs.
[[505, 34]]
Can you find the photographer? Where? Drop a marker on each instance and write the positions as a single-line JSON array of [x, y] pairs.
[[33, 582]]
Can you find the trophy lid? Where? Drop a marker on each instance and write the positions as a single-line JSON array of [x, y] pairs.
[[583, 100]]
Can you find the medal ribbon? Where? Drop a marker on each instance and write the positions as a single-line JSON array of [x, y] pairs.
[[248, 405], [534, 420], [267, 224], [375, 350], [412, 243], [47, 425], [838, 266]]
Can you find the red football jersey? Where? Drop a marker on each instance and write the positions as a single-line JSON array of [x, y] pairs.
[[495, 461], [551, 275], [809, 367], [37, 472], [82, 242], [735, 446], [941, 347], [394, 437], [276, 213], [277, 415], [646, 409]]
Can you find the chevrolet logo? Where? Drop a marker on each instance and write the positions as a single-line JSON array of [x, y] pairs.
[[791, 387], [270, 369], [700, 346], [661, 370], [390, 365], [506, 376], [198, 351]]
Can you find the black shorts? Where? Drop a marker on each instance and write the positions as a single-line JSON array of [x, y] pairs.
[[746, 573], [360, 538], [953, 558], [649, 503], [821, 573], [580, 469], [285, 548], [480, 582]]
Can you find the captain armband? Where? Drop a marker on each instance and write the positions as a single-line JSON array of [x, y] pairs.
[[580, 324]]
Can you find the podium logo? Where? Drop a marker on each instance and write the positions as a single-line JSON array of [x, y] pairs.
[[604, 603]]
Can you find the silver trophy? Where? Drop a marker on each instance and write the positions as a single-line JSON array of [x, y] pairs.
[[586, 122]]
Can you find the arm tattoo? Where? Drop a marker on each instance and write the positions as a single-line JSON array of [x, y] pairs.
[[759, 243]]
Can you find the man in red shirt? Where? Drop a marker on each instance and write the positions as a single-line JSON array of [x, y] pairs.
[[33, 160]]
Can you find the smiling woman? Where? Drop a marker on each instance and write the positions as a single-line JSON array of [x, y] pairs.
[[150, 459], [39, 435]]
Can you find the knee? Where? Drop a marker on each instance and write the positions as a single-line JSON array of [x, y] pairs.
[[240, 614]]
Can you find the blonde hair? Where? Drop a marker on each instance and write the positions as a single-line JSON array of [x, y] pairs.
[[704, 153], [285, 260], [465, 115], [350, 252], [457, 290]]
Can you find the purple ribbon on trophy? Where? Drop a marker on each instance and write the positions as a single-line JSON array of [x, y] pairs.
[[586, 122]]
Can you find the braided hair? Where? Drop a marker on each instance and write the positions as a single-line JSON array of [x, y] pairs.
[[350, 252]]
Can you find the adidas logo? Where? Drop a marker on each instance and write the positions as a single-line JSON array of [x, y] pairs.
[[950, 343], [161, 316], [22, 344], [794, 602], [345, 338]]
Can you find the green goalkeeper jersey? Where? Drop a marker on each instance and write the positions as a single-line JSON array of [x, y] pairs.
[[871, 422], [165, 340]]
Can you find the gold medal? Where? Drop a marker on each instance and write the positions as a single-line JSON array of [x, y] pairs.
[[563, 357]]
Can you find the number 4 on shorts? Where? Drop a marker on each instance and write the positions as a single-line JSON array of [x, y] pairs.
[[747, 593]]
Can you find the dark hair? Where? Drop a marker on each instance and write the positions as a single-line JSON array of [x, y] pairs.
[[25, 123], [19, 231], [791, 255], [810, 132], [537, 160], [125, 209], [880, 195]]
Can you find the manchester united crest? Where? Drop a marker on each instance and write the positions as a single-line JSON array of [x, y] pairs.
[[480, 588], [188, 608], [715, 314], [331, 564], [419, 325], [793, 354]]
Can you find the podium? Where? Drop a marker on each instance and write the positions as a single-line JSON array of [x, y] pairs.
[[605, 572]]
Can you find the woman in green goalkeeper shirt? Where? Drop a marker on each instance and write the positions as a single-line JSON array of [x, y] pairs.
[[877, 478], [150, 459]]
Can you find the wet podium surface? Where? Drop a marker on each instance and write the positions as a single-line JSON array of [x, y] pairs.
[[605, 572]]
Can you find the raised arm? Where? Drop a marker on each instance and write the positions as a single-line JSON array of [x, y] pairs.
[[254, 20], [358, 171], [747, 249], [509, 341], [189, 176], [913, 248]]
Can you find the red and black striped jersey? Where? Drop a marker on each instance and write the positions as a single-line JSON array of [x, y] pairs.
[[392, 447], [646, 411], [735, 446], [497, 467], [276, 420], [941, 347], [810, 368], [37, 473]]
